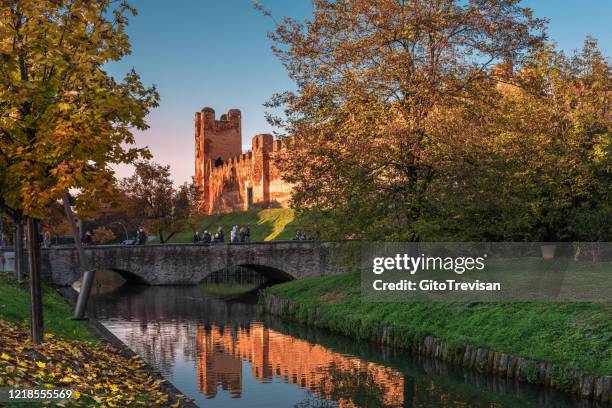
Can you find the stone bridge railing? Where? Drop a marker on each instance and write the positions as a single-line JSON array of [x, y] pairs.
[[184, 264]]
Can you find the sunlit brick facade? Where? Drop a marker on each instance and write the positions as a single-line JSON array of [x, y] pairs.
[[230, 180]]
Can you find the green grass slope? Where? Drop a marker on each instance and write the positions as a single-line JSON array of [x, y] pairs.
[[265, 225], [575, 335]]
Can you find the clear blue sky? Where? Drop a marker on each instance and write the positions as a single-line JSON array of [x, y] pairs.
[[216, 53]]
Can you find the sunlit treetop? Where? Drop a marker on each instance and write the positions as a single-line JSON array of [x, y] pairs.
[[63, 119]]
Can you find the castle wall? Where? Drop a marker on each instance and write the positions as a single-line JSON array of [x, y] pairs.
[[227, 184], [243, 180], [280, 190]]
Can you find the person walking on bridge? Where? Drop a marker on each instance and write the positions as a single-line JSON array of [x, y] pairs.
[[234, 234], [87, 240], [219, 237], [141, 236]]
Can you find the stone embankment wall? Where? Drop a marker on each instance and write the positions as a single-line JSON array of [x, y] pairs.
[[596, 387]]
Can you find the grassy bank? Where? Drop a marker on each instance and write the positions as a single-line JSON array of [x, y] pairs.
[[265, 225], [15, 307], [574, 335], [70, 357]]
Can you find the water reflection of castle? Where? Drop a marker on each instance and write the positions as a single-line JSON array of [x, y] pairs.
[[330, 375]]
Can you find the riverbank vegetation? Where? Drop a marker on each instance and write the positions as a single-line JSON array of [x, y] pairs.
[[572, 335], [71, 357], [15, 306]]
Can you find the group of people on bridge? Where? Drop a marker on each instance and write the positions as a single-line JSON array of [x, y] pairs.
[[140, 239], [237, 234]]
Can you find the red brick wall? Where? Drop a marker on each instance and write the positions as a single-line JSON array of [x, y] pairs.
[[224, 187]]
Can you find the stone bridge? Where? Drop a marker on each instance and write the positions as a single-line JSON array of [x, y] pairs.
[[186, 264]]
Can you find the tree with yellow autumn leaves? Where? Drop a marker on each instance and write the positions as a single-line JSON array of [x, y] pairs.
[[63, 119]]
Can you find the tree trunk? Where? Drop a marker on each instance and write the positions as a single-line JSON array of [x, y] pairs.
[[19, 250], [125, 231], [87, 274], [76, 233], [36, 311]]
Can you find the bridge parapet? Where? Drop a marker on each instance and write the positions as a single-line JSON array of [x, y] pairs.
[[187, 264]]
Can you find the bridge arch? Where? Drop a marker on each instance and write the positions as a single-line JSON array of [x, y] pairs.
[[130, 277], [188, 264], [270, 273], [247, 273]]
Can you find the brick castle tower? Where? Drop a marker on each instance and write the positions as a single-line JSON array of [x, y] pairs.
[[230, 180]]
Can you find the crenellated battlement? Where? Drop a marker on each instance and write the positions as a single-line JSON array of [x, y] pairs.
[[244, 159], [229, 120]]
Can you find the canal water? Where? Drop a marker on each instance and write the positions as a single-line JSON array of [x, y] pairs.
[[225, 353]]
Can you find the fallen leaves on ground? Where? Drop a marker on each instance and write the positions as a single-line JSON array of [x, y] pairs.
[[98, 374]]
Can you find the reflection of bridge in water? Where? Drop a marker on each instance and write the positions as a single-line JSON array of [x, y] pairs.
[[331, 375]]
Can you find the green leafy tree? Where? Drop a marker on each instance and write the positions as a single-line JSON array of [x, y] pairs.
[[150, 197], [538, 163], [552, 133], [186, 203], [377, 85]]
